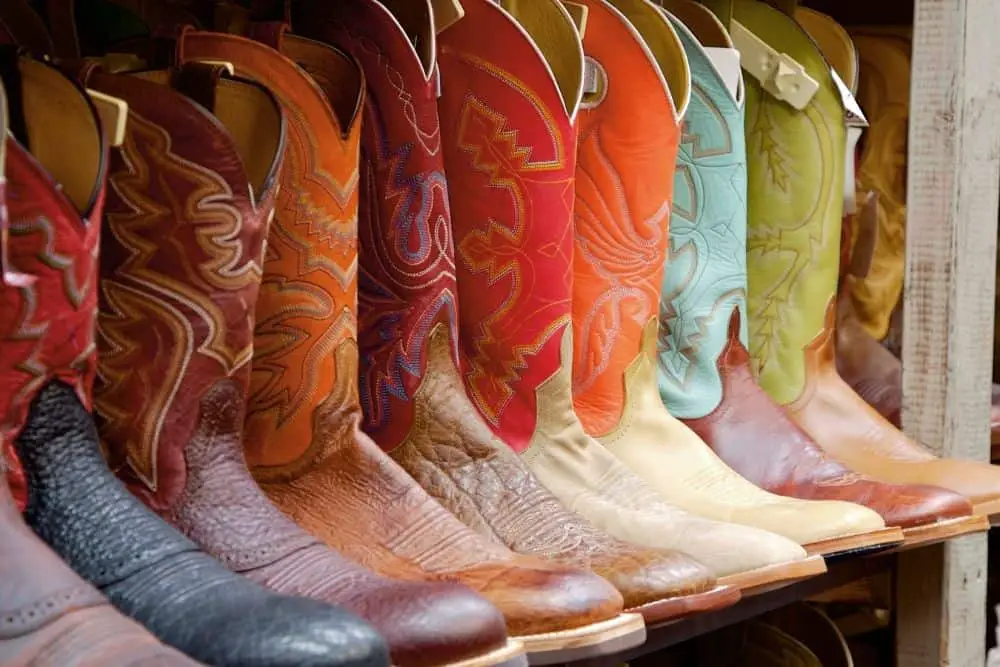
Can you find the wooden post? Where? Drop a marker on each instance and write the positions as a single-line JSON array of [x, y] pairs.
[[951, 232]]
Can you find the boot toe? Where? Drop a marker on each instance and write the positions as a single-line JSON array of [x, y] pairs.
[[433, 624], [919, 504], [810, 521], [729, 549], [277, 631], [535, 601], [647, 576]]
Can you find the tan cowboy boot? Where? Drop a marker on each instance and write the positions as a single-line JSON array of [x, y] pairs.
[[415, 404], [615, 387], [302, 431], [510, 101], [796, 192]]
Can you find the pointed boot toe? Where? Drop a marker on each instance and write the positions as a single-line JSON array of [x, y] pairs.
[[909, 505], [433, 624], [731, 549], [808, 522], [537, 601]]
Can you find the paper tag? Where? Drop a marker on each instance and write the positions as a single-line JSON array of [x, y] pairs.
[[591, 76], [850, 192], [727, 61], [113, 113], [855, 116]]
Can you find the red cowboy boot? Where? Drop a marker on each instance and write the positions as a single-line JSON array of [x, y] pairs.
[[74, 503], [48, 615], [415, 404], [302, 434]]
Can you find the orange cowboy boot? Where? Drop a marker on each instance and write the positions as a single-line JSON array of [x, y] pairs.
[[415, 405], [704, 374], [795, 224], [302, 433], [510, 155]]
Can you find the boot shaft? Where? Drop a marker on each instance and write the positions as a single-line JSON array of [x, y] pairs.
[[510, 152], [795, 184], [192, 192], [305, 349], [55, 165], [706, 273], [407, 258], [629, 128]]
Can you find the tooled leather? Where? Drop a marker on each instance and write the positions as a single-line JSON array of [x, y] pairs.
[[626, 143], [318, 467], [181, 269], [705, 275], [850, 430], [758, 440], [453, 455], [154, 574], [583, 475], [795, 173], [884, 94], [510, 157], [49, 616], [407, 311]]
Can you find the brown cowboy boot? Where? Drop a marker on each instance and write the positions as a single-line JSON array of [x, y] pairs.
[[415, 404], [302, 432], [48, 615]]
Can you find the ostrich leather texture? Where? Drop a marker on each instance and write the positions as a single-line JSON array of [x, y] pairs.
[[797, 214], [216, 503], [303, 428], [74, 503], [414, 402], [705, 283], [512, 218]]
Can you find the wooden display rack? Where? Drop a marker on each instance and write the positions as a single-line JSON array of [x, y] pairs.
[[953, 182]]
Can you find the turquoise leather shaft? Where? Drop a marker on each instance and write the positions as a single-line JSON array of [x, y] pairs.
[[706, 270]]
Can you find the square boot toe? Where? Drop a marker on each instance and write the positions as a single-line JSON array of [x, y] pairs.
[[428, 624], [536, 601], [645, 576], [809, 521]]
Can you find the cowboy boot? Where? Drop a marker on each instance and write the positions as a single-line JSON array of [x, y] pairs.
[[301, 434], [415, 405], [217, 503], [510, 157], [48, 615], [614, 343], [704, 373], [794, 220], [865, 310], [74, 503]]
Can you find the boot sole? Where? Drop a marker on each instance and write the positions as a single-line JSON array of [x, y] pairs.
[[659, 612], [987, 507], [769, 577], [510, 655], [591, 641], [944, 530], [875, 540]]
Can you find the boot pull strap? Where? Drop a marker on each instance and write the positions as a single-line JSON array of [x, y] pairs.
[[199, 80], [271, 33]]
